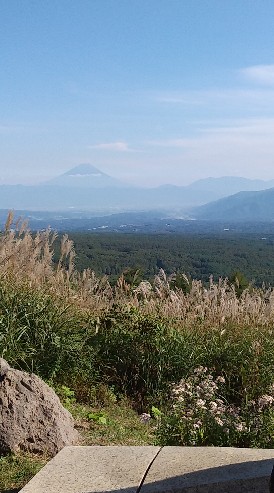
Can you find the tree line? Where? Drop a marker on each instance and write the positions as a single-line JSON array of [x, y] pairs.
[[198, 256]]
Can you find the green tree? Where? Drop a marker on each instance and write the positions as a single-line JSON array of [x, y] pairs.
[[181, 281], [239, 281]]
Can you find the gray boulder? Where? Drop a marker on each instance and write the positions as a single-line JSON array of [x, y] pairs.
[[32, 417]]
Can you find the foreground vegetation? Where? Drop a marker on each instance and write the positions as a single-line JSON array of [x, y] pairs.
[[168, 361], [103, 422]]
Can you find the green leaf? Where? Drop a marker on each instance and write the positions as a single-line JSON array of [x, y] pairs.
[[99, 418], [156, 412]]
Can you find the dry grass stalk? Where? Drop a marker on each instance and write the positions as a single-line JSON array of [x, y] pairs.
[[25, 257]]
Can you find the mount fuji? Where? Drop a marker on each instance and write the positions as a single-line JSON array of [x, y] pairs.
[[84, 176]]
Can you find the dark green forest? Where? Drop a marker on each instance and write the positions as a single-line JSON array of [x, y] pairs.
[[198, 256]]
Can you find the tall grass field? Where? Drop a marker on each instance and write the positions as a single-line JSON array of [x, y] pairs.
[[194, 363]]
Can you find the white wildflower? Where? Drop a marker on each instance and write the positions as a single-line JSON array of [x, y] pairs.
[[265, 400], [190, 412], [219, 402], [200, 370], [213, 406], [219, 421], [220, 379], [145, 418], [240, 427], [201, 403]]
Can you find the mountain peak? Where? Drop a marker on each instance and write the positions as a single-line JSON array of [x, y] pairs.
[[85, 176], [84, 170]]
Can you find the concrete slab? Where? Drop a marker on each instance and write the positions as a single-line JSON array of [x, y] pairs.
[[93, 470], [210, 470]]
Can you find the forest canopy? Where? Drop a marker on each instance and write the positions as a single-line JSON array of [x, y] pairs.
[[198, 256]]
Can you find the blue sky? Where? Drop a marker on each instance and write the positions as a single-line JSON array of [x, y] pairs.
[[149, 91]]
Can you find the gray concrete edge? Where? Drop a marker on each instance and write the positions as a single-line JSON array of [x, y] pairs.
[[198, 469]]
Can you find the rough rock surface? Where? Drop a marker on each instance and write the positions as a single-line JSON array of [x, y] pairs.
[[32, 417]]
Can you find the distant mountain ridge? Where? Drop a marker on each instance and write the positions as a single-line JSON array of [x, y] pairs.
[[229, 185], [85, 187], [241, 207]]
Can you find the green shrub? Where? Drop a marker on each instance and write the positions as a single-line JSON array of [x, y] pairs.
[[198, 414], [243, 355], [41, 335], [140, 354]]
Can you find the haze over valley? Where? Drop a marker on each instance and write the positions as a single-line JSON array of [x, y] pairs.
[[85, 191]]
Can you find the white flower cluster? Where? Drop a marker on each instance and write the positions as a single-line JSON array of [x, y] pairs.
[[265, 401], [201, 410]]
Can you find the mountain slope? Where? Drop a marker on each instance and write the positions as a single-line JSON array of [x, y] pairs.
[[243, 206]]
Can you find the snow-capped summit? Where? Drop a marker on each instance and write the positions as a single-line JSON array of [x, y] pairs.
[[84, 176], [84, 170]]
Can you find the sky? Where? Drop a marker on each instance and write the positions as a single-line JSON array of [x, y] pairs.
[[148, 91]]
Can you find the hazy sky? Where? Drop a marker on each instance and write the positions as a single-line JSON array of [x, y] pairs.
[[149, 91]]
